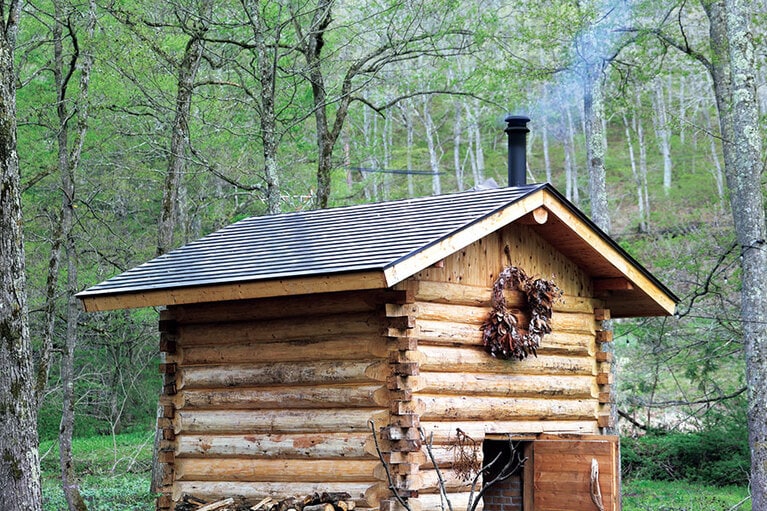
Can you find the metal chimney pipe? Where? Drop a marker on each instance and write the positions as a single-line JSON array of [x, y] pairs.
[[516, 128]]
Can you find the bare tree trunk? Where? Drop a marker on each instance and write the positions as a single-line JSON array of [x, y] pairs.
[[410, 135], [387, 138], [571, 162], [718, 173], [663, 132], [594, 112], [20, 463], [681, 90], [635, 173], [69, 162], [457, 132], [432, 144], [546, 155], [747, 201], [642, 159], [179, 141], [266, 61], [480, 154]]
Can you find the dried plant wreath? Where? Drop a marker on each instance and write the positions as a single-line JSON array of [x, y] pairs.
[[502, 335]]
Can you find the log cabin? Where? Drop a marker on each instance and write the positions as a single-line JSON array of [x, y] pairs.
[[342, 350]]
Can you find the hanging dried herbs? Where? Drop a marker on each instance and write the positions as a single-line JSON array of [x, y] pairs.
[[503, 337]]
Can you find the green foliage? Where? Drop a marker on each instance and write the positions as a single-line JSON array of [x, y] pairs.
[[716, 456]]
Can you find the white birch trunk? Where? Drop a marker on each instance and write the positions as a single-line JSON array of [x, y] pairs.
[[432, 144], [663, 133]]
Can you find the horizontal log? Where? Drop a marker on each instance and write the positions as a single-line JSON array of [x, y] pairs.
[[355, 347], [212, 490], [280, 329], [274, 470], [476, 360], [285, 373], [477, 296], [434, 311], [266, 445], [453, 484], [312, 396], [435, 502], [444, 432], [451, 334], [464, 408], [508, 385], [278, 421], [287, 306], [575, 321]]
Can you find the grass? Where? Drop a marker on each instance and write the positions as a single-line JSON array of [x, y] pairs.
[[115, 472], [641, 495]]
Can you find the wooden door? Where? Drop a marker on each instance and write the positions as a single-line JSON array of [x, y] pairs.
[[559, 477]]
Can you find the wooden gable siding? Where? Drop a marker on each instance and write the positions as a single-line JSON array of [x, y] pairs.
[[273, 397], [460, 386]]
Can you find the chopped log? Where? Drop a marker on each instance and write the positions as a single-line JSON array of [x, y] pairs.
[[288, 504], [217, 505], [264, 503], [346, 505], [215, 489], [320, 507]]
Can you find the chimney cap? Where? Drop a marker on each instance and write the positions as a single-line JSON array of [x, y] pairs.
[[517, 123]]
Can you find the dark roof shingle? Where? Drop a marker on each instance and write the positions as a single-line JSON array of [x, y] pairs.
[[355, 238]]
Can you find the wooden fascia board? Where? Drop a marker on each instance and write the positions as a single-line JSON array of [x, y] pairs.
[[432, 254], [234, 291], [634, 275]]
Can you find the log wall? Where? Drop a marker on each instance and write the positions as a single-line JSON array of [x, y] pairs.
[[273, 397], [459, 386]]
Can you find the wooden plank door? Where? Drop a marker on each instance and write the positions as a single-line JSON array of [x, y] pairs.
[[561, 473]]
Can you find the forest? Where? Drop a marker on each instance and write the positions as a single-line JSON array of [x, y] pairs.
[[131, 127]]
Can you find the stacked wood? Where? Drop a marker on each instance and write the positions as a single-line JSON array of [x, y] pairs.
[[325, 501]]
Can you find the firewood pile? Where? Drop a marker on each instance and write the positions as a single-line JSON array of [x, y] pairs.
[[334, 501]]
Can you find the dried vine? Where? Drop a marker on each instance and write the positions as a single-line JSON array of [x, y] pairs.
[[466, 455], [503, 337]]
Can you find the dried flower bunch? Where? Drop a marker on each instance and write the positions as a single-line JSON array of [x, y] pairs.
[[503, 337]]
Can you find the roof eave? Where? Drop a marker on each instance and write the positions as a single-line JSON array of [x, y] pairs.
[[94, 302]]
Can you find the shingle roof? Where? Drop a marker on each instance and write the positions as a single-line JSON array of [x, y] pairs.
[[355, 238], [372, 246]]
